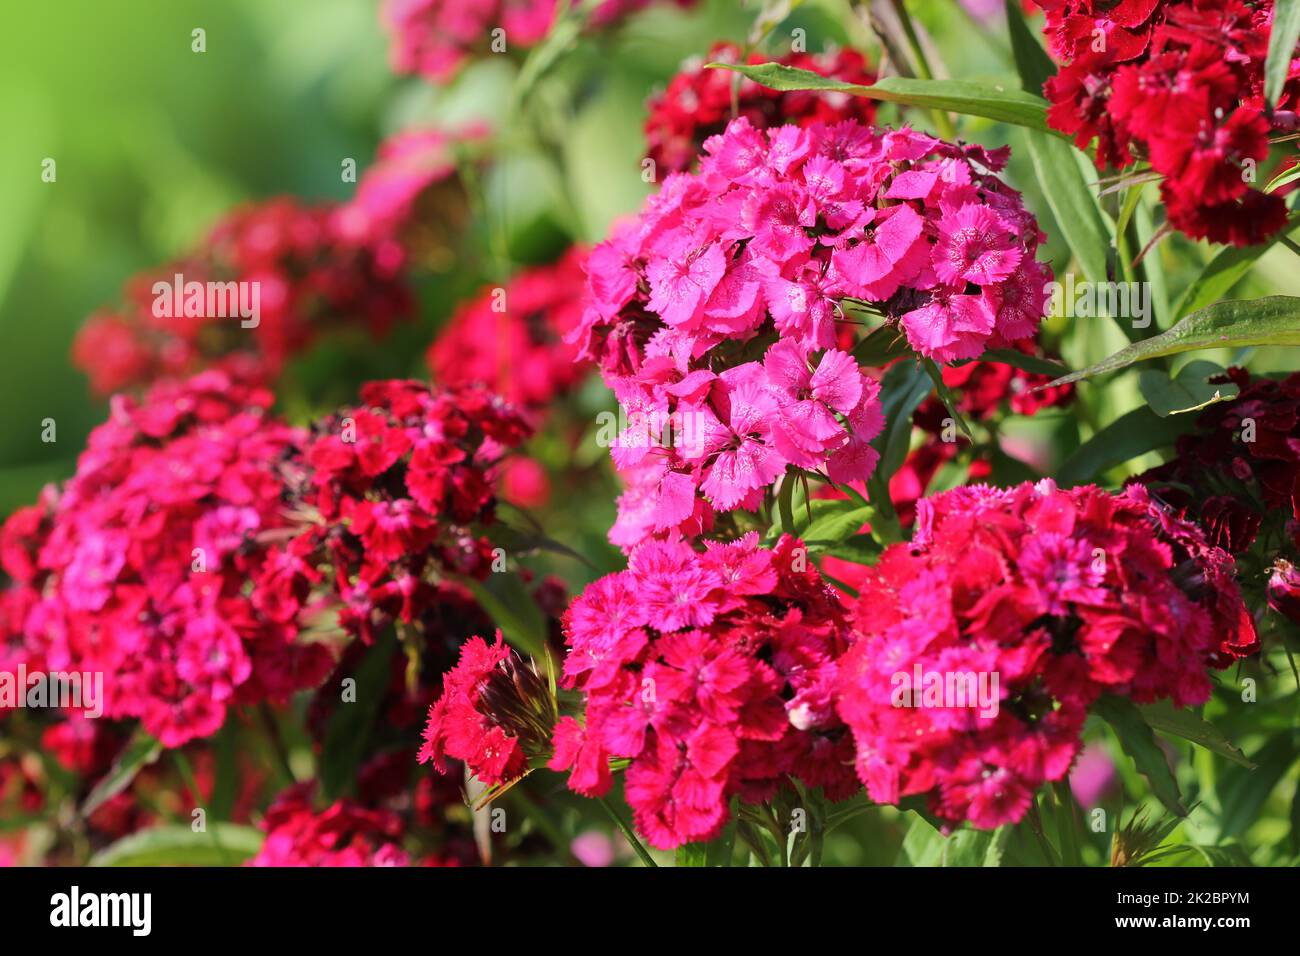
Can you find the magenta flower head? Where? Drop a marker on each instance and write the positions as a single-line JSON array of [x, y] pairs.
[[711, 672], [720, 310], [144, 559], [983, 643]]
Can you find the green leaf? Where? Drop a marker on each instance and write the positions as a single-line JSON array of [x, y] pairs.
[[881, 347], [1073, 204], [822, 522], [954, 96], [832, 526], [517, 541], [693, 854], [1068, 194], [1189, 725], [1130, 435], [222, 844], [1274, 320], [1139, 743], [1243, 792], [904, 387], [1231, 855], [139, 752], [945, 395], [348, 730], [859, 548], [1132, 197], [512, 609], [1281, 47], [785, 504], [1032, 62], [1188, 391], [1221, 273], [1284, 178], [925, 846]]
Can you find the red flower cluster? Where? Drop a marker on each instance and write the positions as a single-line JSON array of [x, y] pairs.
[[712, 672], [1238, 476], [511, 338], [1045, 599], [495, 713], [698, 103], [1179, 83], [268, 279], [1240, 469], [139, 568], [387, 493], [345, 834]]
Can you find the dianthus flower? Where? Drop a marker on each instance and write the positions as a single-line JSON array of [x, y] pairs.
[[713, 316], [344, 834], [413, 195], [1059, 595], [697, 103], [283, 263], [388, 494], [138, 569], [495, 713], [511, 338], [712, 673], [1179, 83], [1237, 475], [435, 38]]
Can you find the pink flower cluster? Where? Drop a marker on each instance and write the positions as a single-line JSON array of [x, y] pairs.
[[387, 494], [1064, 596], [138, 569], [308, 277], [712, 673], [714, 314], [435, 38], [201, 538], [1179, 83]]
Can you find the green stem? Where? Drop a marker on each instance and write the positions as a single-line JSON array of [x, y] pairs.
[[1044, 844], [942, 121], [628, 833], [276, 742], [1069, 830], [1289, 243], [187, 774]]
